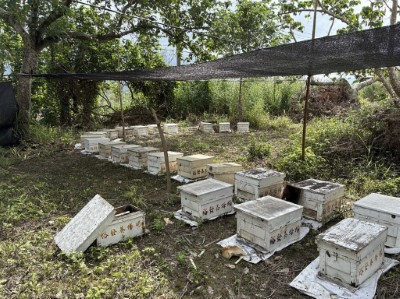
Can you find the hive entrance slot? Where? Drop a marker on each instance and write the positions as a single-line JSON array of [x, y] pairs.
[[291, 194]]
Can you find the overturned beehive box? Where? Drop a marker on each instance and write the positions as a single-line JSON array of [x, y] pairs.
[[128, 222], [224, 171], [224, 127], [171, 128], [258, 182], [92, 144], [105, 147], [194, 166], [320, 199], [140, 131], [138, 156], [156, 162], [351, 251], [243, 127], [381, 209], [269, 222], [206, 199], [119, 153], [206, 127]]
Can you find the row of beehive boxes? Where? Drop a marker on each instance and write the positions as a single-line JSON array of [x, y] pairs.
[[224, 127]]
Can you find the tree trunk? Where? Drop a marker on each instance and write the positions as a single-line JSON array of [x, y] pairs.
[[24, 88], [65, 111]]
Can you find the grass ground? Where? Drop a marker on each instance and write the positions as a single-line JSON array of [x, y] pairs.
[[43, 186]]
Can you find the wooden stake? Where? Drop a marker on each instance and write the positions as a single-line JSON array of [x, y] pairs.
[[165, 150]]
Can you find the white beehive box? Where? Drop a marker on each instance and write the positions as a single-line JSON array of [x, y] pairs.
[[140, 131], [381, 209], [84, 228], [119, 153], [105, 147], [171, 128], [156, 162], [206, 127], [92, 144], [128, 132], [258, 182], [152, 129], [243, 127], [351, 251], [320, 199], [206, 199], [87, 136], [224, 171], [269, 222], [96, 133], [112, 133], [138, 156], [194, 166], [224, 127], [128, 222]]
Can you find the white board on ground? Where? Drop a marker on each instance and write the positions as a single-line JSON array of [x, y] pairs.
[[85, 227]]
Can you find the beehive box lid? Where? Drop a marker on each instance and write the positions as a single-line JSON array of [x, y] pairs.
[[243, 123], [96, 139], [261, 173], [112, 143], [224, 167], [380, 202], [205, 123], [267, 208], [317, 186], [204, 187], [170, 154], [112, 130], [224, 123], [124, 147], [197, 157], [142, 149], [351, 234], [170, 125], [85, 227], [95, 133]]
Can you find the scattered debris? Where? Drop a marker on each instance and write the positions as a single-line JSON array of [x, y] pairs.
[[168, 221], [230, 266], [229, 251]]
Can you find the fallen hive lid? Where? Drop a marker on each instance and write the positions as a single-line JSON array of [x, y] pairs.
[[317, 186], [261, 173], [351, 234], [267, 207], [85, 227], [204, 187], [380, 202]]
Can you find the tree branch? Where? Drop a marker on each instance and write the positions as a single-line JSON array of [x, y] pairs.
[[9, 17], [54, 16], [336, 16], [388, 87]]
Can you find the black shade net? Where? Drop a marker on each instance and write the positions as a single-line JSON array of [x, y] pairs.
[[374, 48]]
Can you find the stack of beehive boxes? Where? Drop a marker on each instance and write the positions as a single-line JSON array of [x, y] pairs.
[[206, 199], [320, 199], [138, 156], [381, 209], [105, 147], [119, 153], [156, 162], [269, 222], [351, 251], [194, 166], [206, 127], [243, 127], [224, 171], [259, 182]]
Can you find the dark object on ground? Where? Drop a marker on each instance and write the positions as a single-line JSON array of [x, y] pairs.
[[8, 114]]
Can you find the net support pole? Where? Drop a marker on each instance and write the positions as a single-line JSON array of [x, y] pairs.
[[120, 98], [308, 83]]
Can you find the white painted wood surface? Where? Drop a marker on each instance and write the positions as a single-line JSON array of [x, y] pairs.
[[156, 162], [92, 144], [85, 227], [351, 251], [194, 166], [381, 209], [224, 127], [140, 131], [206, 127], [105, 147], [119, 153], [138, 156], [243, 127], [171, 128]]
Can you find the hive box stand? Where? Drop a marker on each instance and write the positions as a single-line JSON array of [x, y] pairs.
[[206, 199], [320, 199], [119, 153], [156, 162], [268, 222], [381, 209], [224, 171], [128, 222], [105, 147], [351, 251], [259, 182], [138, 156], [194, 166]]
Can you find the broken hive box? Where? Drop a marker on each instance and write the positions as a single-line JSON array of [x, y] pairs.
[[194, 166], [206, 199], [92, 144], [320, 199], [138, 156], [258, 182], [105, 147], [243, 127], [119, 153], [206, 127], [171, 128], [156, 162], [269, 222], [224, 171], [128, 222], [381, 209], [351, 251], [224, 127]]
